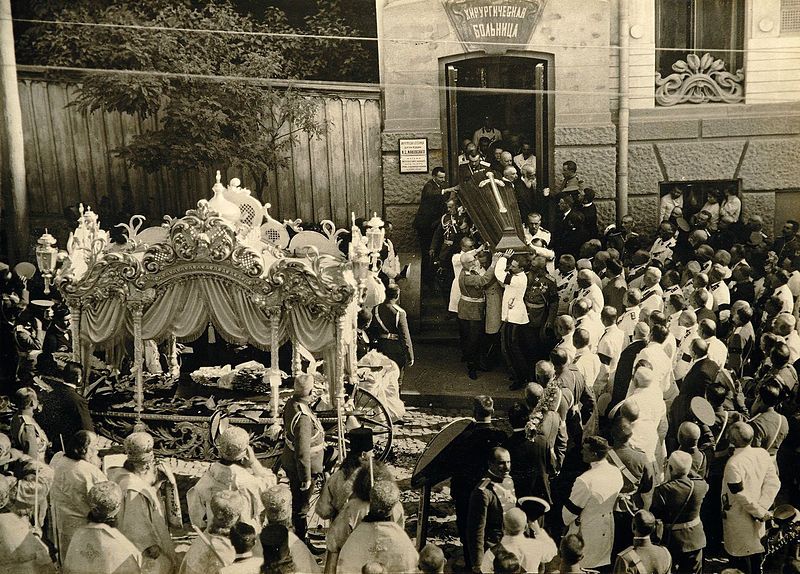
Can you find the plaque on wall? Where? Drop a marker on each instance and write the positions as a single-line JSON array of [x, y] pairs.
[[495, 26], [413, 155]]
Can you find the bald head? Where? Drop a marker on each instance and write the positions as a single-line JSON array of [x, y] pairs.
[[581, 307], [544, 372], [584, 278], [740, 434], [564, 325], [641, 331], [643, 377], [688, 434], [680, 463]]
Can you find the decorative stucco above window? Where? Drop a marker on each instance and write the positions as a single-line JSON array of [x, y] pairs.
[[699, 51]]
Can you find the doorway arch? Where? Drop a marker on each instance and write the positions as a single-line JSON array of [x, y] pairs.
[[513, 89]]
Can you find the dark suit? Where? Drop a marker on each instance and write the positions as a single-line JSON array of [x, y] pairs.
[[566, 235], [64, 412], [389, 327], [678, 504], [56, 340], [590, 220], [705, 313], [430, 211], [743, 292], [525, 198], [9, 359], [700, 376], [638, 481], [529, 465], [622, 377]]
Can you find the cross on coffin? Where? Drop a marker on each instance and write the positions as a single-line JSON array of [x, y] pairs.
[[497, 219]]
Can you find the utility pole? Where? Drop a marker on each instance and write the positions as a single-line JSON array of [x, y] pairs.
[[623, 118], [12, 162]]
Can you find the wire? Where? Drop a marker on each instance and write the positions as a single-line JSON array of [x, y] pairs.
[[523, 45], [303, 83]]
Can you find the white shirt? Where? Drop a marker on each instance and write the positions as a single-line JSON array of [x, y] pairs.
[[567, 286], [520, 161], [717, 351], [513, 310], [594, 294], [595, 328], [531, 552], [652, 410], [588, 364], [668, 203], [662, 364], [662, 250], [627, 322], [611, 344], [652, 298], [683, 358], [784, 293], [541, 233]]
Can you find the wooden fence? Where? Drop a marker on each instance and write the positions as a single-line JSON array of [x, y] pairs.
[[69, 159]]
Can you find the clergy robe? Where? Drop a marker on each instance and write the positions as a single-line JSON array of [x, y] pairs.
[[384, 542], [20, 551], [101, 549]]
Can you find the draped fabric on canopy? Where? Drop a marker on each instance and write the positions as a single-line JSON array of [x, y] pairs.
[[185, 309]]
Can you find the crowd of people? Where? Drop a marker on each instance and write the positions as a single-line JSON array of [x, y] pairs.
[[659, 374]]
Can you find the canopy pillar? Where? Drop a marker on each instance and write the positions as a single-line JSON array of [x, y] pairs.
[[172, 357], [136, 306], [274, 373]]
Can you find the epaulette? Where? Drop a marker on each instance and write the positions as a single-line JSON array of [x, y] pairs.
[[304, 409], [485, 163], [484, 483]]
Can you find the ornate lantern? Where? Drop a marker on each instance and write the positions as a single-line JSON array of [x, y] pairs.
[[46, 258], [375, 234], [359, 256]]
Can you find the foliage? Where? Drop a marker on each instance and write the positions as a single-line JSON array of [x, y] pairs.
[[208, 89]]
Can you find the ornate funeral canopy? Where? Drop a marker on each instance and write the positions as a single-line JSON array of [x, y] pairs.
[[208, 267]]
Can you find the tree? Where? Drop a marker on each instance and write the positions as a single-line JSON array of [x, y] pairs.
[[203, 69]]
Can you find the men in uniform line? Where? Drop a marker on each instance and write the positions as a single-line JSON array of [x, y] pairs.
[[566, 283], [586, 318], [589, 510], [303, 452], [749, 486], [588, 289], [510, 273], [677, 503], [473, 451], [212, 549], [650, 426], [770, 428], [609, 348], [493, 495], [472, 281], [238, 469], [142, 519], [98, 547], [643, 557]]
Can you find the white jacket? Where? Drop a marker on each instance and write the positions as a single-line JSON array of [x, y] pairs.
[[513, 310]]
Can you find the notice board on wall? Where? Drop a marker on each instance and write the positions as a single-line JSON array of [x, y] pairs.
[[413, 155]]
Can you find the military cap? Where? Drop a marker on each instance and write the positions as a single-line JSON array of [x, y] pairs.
[[361, 439], [784, 513], [682, 224], [278, 504], [105, 499], [139, 447], [226, 506], [42, 303], [232, 444]]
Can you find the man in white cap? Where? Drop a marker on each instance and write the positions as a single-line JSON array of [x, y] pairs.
[[142, 519], [212, 549], [98, 547], [303, 452], [531, 552], [238, 469], [749, 487]]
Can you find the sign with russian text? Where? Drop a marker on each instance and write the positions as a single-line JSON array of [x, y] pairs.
[[494, 26], [413, 155]]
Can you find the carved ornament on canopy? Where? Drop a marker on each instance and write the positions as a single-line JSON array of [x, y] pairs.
[[699, 80]]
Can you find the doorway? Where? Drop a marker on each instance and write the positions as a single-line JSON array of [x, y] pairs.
[[510, 91]]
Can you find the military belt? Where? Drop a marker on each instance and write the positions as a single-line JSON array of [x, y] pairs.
[[389, 336], [686, 525]]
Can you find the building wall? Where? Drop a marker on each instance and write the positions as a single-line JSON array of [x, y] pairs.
[[756, 141]]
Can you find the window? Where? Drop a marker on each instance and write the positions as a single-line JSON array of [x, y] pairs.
[[699, 26], [790, 16]]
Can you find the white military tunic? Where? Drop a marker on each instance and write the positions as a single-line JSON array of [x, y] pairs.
[[595, 492], [514, 309], [754, 470]]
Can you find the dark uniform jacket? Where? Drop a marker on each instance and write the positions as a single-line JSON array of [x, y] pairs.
[[673, 504], [613, 293], [643, 557], [485, 519], [305, 439], [637, 476], [541, 300], [472, 452], [472, 304], [431, 206], [566, 235], [389, 328], [64, 412]]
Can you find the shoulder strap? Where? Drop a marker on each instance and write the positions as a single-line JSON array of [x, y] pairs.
[[612, 454], [634, 559], [722, 430], [685, 502]]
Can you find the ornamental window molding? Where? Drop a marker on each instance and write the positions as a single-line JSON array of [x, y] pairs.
[[698, 81]]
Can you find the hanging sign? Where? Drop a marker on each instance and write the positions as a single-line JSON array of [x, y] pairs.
[[494, 26], [413, 155]]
